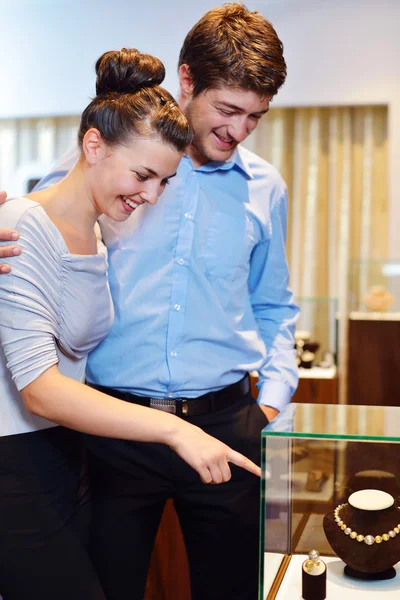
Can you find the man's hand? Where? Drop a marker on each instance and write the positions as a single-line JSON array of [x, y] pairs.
[[7, 235], [269, 412]]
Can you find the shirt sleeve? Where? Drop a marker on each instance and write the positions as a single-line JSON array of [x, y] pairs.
[[59, 170], [275, 311], [30, 299]]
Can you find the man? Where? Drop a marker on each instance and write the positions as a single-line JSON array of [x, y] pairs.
[[200, 286]]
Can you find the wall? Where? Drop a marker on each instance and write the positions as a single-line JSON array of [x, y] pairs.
[[49, 47], [338, 52], [342, 52]]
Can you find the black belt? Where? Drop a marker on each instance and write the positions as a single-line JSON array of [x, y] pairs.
[[187, 407]]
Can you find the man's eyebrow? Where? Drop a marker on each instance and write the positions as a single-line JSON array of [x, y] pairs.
[[239, 109]]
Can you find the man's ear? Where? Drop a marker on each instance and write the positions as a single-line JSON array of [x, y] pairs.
[[185, 80], [93, 146]]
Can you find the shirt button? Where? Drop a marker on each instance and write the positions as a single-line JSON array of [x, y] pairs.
[[170, 394], [173, 353], [181, 261], [188, 216], [177, 307]]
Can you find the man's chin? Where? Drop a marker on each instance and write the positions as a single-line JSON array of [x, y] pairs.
[[220, 155], [209, 153]]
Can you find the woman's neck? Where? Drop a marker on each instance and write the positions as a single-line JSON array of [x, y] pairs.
[[70, 202]]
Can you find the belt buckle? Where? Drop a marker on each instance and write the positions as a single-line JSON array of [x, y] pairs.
[[168, 406]]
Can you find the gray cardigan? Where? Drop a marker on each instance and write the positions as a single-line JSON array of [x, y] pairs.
[[55, 307]]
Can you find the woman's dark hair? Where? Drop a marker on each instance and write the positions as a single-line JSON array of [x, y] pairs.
[[130, 101], [231, 46]]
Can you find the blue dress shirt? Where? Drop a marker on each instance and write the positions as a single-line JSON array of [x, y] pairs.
[[200, 286]]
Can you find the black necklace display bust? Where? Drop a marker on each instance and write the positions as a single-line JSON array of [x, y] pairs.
[[365, 533]]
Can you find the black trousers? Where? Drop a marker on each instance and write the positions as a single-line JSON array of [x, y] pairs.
[[44, 518], [130, 484]]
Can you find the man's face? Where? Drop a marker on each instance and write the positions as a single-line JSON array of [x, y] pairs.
[[222, 118]]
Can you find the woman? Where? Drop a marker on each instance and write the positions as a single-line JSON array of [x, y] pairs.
[[55, 307]]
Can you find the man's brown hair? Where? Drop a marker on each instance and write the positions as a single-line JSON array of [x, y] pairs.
[[232, 46]]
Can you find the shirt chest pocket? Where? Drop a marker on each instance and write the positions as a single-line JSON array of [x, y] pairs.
[[227, 246]]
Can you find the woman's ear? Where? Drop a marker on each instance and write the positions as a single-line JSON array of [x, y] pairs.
[[93, 146]]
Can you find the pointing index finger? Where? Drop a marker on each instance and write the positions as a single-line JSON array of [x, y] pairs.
[[241, 461]]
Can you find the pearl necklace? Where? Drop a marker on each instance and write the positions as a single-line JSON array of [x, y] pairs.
[[367, 539]]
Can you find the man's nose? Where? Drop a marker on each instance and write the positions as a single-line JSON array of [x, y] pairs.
[[239, 130]]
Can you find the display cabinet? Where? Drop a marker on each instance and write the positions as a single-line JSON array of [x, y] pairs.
[[314, 457], [316, 336], [374, 289], [374, 332]]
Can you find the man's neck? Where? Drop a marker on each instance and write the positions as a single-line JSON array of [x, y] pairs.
[[198, 159]]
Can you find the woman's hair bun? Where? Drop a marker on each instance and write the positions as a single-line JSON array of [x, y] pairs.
[[127, 71]]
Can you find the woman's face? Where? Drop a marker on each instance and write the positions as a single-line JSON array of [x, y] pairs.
[[124, 177]]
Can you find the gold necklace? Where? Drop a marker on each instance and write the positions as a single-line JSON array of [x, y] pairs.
[[367, 539]]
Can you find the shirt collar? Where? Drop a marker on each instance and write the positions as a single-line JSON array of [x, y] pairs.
[[236, 160], [241, 161]]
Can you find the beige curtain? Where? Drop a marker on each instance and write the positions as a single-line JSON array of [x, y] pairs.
[[29, 147], [334, 161]]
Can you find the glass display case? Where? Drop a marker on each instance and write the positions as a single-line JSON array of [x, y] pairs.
[[316, 336], [374, 289], [314, 457]]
